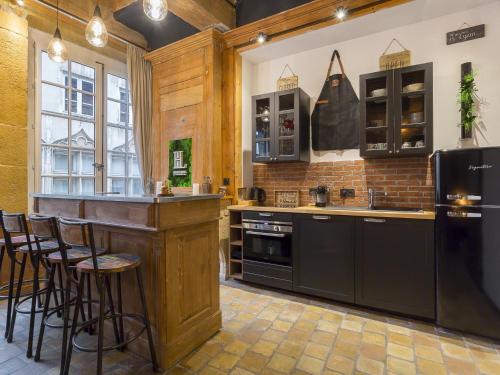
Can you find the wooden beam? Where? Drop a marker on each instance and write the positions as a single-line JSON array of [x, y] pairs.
[[311, 16], [201, 14], [42, 16]]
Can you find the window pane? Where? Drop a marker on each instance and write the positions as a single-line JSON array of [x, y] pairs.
[[116, 139], [130, 116], [83, 105], [133, 166], [54, 130], [116, 185], [116, 86], [134, 186], [54, 99], [115, 114], [82, 163], [131, 143], [84, 186], [54, 185], [52, 71], [116, 164], [82, 134], [54, 160], [84, 76]]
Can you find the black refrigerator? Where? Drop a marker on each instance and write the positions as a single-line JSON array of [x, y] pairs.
[[468, 240]]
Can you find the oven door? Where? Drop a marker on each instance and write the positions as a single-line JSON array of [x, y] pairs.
[[266, 246]]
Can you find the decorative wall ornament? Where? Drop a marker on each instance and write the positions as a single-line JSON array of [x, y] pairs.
[[395, 60], [465, 34], [467, 98], [287, 83], [180, 166], [286, 198]]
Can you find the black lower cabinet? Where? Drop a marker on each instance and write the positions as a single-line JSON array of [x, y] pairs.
[[273, 275], [323, 256], [395, 264]]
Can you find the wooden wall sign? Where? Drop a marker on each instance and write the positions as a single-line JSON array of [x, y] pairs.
[[286, 198], [389, 61], [464, 35]]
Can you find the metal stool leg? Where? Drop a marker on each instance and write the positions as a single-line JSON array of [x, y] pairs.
[[74, 324], [11, 295], [112, 309], [2, 253], [120, 307], [34, 295], [61, 292], [16, 301], [146, 319], [50, 287], [89, 305], [100, 338]]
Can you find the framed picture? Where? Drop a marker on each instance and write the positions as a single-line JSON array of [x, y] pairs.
[[286, 198], [179, 158]]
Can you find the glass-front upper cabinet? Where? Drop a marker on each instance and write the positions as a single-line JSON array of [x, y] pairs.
[[396, 112], [281, 126]]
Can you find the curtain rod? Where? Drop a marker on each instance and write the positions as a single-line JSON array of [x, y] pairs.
[[83, 21]]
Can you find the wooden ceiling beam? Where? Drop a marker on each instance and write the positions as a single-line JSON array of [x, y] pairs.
[[201, 14], [42, 16], [311, 16]]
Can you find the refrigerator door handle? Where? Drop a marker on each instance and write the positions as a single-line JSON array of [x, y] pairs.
[[455, 197], [463, 214]]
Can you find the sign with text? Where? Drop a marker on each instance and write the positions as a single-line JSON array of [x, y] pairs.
[[464, 35], [179, 160]]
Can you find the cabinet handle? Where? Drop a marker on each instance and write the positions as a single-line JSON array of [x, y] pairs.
[[373, 220], [263, 214], [317, 217], [462, 214]]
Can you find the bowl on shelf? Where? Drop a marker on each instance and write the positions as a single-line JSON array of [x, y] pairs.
[[407, 145], [415, 117], [413, 87], [376, 123], [420, 144], [378, 92]]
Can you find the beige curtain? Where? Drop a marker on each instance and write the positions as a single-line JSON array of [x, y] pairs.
[[139, 74]]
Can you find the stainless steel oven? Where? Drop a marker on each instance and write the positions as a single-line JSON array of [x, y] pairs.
[[267, 240]]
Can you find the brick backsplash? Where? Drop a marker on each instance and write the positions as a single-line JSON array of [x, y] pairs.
[[408, 181]]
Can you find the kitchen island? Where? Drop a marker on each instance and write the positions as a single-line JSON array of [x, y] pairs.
[[177, 240]]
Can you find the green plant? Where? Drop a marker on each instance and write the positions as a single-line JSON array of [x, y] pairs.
[[466, 99]]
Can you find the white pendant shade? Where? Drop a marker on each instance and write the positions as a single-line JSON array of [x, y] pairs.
[[155, 9], [56, 50], [96, 32]]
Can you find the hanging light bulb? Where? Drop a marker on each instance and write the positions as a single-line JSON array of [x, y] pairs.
[[57, 50], [341, 13], [261, 38], [155, 9], [96, 33]]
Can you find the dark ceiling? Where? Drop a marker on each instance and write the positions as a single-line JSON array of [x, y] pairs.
[[157, 34], [248, 11]]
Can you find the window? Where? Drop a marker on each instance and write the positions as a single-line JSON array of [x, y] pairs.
[[122, 168], [67, 135]]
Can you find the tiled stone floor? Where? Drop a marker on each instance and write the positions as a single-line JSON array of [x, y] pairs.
[[265, 332]]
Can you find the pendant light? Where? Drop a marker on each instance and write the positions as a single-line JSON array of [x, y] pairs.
[[96, 33], [57, 50], [155, 9]]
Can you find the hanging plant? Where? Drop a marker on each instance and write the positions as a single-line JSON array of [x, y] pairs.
[[466, 99]]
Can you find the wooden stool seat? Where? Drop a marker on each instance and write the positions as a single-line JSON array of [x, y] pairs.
[[111, 263], [17, 241], [75, 254], [45, 247]]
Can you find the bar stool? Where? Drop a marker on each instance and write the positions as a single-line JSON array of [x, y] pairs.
[[78, 233], [16, 242], [66, 258], [36, 250]]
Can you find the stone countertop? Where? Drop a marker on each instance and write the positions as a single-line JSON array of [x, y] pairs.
[[342, 211], [129, 199]]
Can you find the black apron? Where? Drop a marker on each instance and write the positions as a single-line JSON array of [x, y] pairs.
[[335, 119]]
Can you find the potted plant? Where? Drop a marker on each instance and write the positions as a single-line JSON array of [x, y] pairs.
[[467, 100]]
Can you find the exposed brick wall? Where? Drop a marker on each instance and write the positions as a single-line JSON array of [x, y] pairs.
[[408, 181]]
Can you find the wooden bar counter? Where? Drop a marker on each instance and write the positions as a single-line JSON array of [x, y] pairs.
[[177, 239]]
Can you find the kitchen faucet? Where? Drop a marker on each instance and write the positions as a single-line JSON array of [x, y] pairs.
[[371, 197]]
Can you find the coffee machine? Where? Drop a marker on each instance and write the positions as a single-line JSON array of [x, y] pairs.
[[320, 195]]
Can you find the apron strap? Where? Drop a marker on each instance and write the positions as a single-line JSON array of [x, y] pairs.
[[335, 53]]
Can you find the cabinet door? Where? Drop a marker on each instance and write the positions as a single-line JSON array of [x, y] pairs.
[[323, 256], [263, 128], [395, 265], [413, 130], [376, 132], [287, 145]]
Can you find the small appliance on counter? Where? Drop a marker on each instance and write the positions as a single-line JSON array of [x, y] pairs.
[[252, 194], [468, 240], [320, 195]]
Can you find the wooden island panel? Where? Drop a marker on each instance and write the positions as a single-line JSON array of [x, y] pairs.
[[178, 244]]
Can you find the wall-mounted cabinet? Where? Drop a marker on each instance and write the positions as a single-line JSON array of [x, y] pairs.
[[396, 112], [280, 127]]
